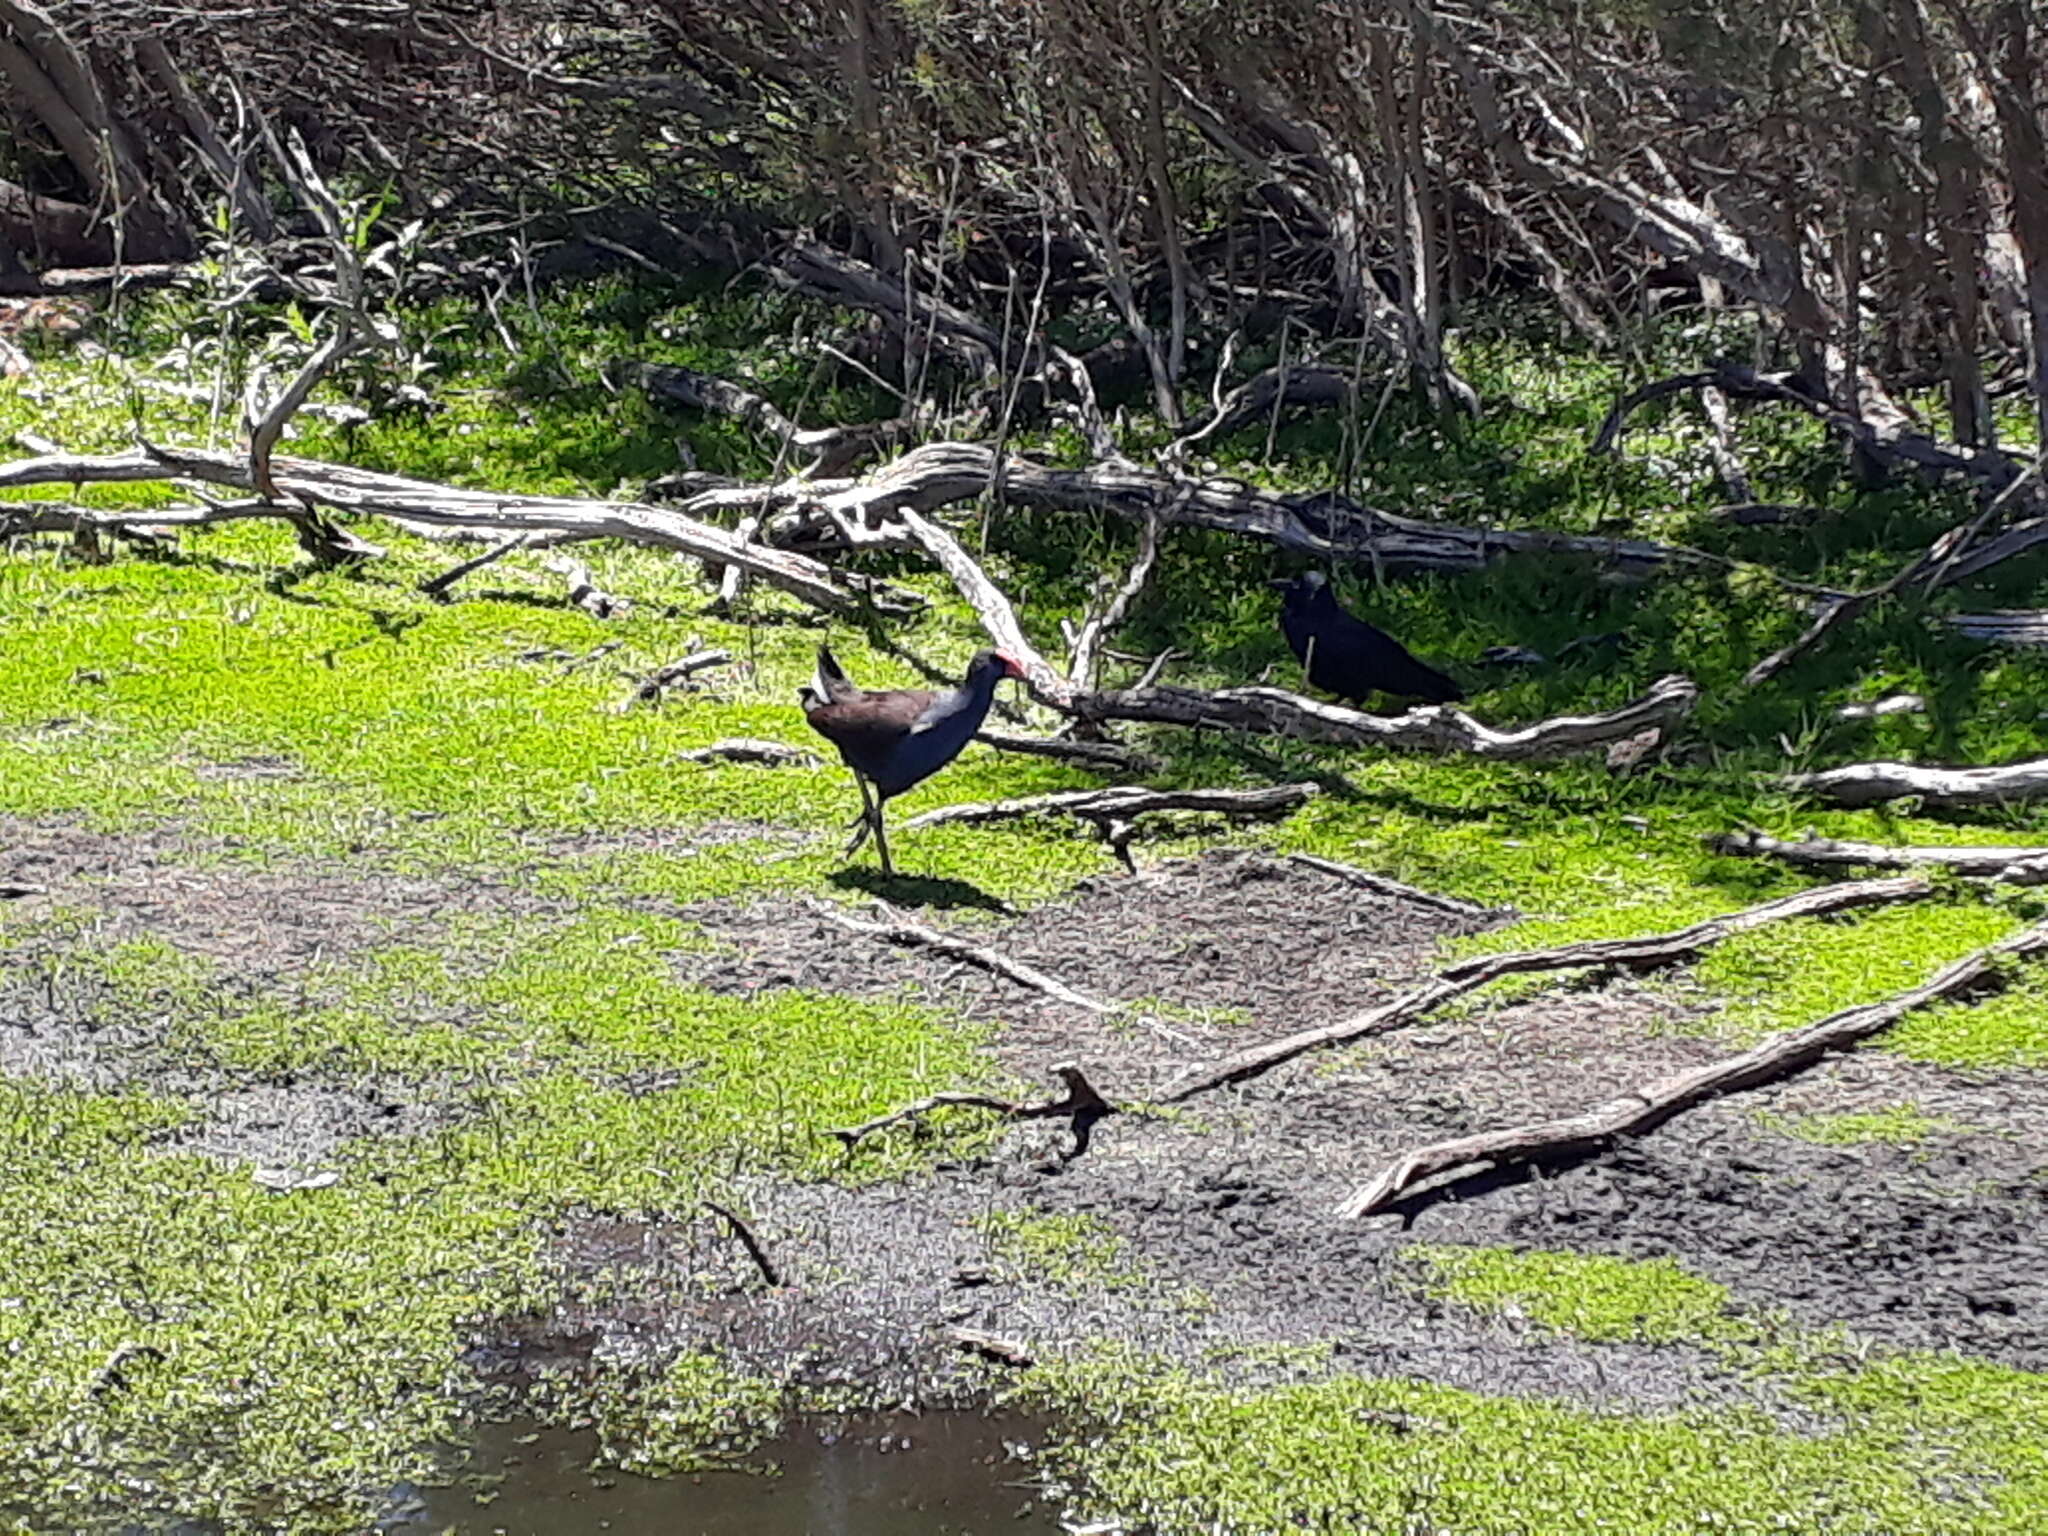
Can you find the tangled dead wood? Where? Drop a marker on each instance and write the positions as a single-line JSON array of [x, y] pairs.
[[406, 501], [1652, 1105]]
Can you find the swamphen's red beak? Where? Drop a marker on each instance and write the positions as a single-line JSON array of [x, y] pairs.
[[1011, 667]]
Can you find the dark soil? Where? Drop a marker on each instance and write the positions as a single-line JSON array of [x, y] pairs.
[[1222, 1213]]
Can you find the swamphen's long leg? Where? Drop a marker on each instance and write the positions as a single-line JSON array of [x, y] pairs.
[[866, 817], [882, 838]]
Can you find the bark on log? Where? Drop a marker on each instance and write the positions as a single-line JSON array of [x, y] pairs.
[[1651, 1106], [2016, 864], [1875, 783], [1434, 728], [1470, 975]]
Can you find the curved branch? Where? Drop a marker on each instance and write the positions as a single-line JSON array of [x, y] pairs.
[[1649, 1107], [1875, 783], [1469, 976], [1435, 728]]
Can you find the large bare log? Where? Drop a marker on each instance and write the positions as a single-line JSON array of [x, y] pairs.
[[1651, 1106], [1434, 728], [1875, 783], [1469, 976], [2016, 864], [405, 500], [1325, 524]]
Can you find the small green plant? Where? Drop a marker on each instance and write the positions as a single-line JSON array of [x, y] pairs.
[[1901, 1125], [1589, 1296], [1070, 1249]]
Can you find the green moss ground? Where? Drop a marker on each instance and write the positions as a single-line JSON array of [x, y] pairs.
[[289, 1355], [1903, 1443]]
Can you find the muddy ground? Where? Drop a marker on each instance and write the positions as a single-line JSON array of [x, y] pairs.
[[1223, 1213]]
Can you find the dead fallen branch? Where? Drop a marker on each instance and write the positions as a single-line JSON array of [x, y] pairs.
[[1324, 524], [1105, 755], [831, 450], [1291, 384], [1122, 802], [2011, 626], [650, 688], [1875, 783], [899, 930], [1470, 975], [992, 1346], [584, 592], [2014, 864], [1080, 1104], [1878, 709], [1275, 711], [1382, 885], [748, 1241], [1651, 1106], [744, 749], [993, 606], [405, 500], [438, 586]]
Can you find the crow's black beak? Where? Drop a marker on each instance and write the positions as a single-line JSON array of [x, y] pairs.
[[1281, 583]]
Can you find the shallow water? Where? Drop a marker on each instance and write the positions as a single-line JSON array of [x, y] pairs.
[[945, 1474]]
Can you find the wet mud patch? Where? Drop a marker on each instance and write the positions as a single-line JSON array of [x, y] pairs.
[[259, 921], [1225, 1208]]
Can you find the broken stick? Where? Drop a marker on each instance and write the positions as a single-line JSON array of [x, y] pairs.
[[899, 930], [1122, 801], [1651, 1106], [1384, 885], [1080, 1103]]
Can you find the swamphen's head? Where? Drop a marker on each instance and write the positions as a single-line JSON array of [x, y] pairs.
[[991, 667]]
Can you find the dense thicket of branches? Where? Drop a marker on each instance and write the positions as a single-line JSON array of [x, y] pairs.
[[1869, 175]]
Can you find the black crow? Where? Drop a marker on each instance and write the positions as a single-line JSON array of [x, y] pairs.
[[1346, 656]]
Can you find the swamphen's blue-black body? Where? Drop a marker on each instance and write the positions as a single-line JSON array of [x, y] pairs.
[[1345, 656], [895, 739]]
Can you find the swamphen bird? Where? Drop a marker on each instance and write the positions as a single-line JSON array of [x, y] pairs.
[[896, 738], [1348, 657]]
